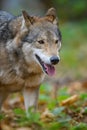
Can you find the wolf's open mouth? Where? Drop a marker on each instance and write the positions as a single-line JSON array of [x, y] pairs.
[[48, 69]]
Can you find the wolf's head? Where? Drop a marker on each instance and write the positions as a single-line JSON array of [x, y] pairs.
[[43, 40]]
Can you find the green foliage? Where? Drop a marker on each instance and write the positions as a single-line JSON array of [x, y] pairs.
[[83, 96], [80, 126], [57, 126], [73, 52], [62, 94], [58, 111], [19, 112], [85, 109], [27, 119], [1, 116], [68, 9], [51, 104]]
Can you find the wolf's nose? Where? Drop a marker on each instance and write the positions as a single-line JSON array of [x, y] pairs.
[[54, 60]]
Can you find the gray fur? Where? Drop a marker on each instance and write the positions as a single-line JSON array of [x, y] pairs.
[[5, 32]]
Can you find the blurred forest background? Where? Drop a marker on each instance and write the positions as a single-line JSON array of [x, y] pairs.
[[72, 16]]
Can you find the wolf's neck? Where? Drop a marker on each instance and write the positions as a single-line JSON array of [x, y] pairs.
[[15, 24]]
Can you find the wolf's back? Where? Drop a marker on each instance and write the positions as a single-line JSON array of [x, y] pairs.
[[4, 17], [5, 32]]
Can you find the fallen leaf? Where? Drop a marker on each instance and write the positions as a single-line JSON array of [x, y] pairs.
[[70, 100], [47, 116]]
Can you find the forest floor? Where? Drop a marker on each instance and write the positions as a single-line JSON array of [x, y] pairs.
[[59, 108]]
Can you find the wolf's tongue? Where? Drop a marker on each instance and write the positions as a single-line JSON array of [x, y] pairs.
[[50, 69]]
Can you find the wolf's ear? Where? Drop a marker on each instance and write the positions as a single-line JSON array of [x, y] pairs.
[[28, 20], [51, 15]]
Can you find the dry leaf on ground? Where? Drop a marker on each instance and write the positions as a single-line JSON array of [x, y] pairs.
[[70, 100]]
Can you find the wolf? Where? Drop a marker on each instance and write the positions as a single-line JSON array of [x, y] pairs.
[[29, 50]]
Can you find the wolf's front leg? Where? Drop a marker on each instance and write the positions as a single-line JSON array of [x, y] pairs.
[[3, 96], [31, 97]]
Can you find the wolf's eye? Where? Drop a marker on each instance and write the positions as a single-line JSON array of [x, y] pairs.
[[56, 41], [41, 41]]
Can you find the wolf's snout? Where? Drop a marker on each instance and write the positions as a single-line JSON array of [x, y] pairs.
[[54, 60]]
